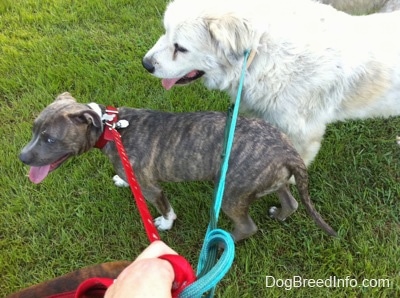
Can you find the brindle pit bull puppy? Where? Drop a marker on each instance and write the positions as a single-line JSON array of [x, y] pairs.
[[177, 147]]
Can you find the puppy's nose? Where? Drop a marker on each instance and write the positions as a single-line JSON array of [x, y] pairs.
[[148, 65], [24, 157]]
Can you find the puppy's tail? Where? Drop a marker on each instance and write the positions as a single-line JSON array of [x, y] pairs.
[[301, 176]]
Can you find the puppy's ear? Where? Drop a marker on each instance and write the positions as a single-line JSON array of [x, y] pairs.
[[231, 35], [86, 117], [65, 95]]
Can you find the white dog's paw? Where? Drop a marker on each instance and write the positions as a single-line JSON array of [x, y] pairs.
[[274, 213], [163, 223], [398, 140], [119, 182]]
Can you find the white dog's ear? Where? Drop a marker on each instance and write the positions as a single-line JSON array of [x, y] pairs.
[[232, 35]]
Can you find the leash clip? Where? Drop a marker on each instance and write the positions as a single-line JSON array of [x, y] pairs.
[[107, 117], [117, 125], [110, 119], [122, 124]]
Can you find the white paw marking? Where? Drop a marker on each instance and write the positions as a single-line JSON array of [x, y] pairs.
[[163, 223], [119, 182], [273, 211]]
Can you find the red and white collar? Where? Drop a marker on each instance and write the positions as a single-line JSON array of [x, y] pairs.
[[110, 121]]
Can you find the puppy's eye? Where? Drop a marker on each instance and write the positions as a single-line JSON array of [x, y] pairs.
[[48, 139], [178, 48]]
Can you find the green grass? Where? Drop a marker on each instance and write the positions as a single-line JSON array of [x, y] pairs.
[[76, 217]]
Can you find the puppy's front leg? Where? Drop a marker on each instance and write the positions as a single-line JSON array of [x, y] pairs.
[[155, 195], [165, 223]]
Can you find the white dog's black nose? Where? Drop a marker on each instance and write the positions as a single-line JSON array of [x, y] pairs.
[[148, 65]]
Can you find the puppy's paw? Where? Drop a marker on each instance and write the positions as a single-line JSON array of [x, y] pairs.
[[398, 140], [163, 223], [119, 182], [274, 213]]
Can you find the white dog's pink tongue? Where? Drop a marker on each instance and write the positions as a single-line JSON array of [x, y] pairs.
[[168, 83], [37, 174]]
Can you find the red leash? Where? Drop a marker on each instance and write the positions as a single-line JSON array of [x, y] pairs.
[[111, 134], [184, 274]]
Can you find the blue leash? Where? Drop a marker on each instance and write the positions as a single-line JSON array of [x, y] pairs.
[[210, 270]]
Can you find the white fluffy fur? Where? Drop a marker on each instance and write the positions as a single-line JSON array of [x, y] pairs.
[[314, 64]]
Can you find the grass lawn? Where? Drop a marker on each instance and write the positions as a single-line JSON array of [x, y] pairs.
[[76, 217]]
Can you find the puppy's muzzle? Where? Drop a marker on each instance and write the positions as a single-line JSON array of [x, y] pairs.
[[26, 156], [148, 65]]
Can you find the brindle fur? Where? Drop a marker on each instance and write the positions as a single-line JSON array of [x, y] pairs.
[[173, 147]]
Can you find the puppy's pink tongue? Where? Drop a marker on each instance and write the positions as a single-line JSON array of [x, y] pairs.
[[37, 174], [168, 83]]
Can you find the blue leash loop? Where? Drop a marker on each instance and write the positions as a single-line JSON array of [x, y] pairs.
[[210, 270]]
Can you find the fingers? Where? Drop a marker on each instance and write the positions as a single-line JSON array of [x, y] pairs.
[[147, 276], [156, 249], [150, 277]]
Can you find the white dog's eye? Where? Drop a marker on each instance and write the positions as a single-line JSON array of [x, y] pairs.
[[178, 48]]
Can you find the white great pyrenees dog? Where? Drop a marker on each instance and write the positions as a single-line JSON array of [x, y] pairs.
[[311, 65]]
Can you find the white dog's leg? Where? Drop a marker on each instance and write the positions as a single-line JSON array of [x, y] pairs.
[[307, 142], [118, 181], [310, 152], [163, 223]]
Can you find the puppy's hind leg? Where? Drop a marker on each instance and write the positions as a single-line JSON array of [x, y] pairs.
[[288, 204], [238, 212], [155, 195]]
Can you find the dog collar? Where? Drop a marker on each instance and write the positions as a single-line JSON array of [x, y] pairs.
[[251, 57], [110, 121]]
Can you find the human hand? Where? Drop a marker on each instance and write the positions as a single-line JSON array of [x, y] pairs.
[[147, 276]]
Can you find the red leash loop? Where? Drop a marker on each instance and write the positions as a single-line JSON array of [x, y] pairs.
[[184, 274]]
